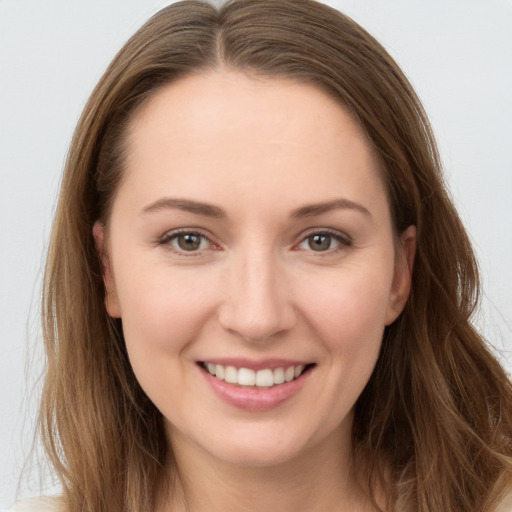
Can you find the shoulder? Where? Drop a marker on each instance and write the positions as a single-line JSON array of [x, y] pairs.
[[506, 504], [41, 504]]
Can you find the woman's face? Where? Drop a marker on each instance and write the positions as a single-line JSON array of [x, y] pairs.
[[251, 238]]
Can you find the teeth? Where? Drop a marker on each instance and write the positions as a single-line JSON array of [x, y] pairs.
[[265, 378], [246, 377], [298, 370], [219, 371], [289, 374], [278, 376], [231, 375]]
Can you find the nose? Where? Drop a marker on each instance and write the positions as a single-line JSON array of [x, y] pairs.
[[257, 304]]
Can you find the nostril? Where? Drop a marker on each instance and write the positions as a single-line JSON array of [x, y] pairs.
[[256, 325]]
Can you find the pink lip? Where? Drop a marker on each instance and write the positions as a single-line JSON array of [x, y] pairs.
[[253, 399], [263, 364]]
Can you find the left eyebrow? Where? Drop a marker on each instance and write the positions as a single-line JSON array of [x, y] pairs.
[[311, 210], [198, 208]]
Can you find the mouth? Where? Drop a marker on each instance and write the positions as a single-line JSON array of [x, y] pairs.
[[264, 378]]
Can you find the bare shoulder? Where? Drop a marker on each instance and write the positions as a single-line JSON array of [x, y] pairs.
[[41, 504], [506, 504]]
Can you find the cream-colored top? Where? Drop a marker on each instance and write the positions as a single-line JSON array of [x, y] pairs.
[[506, 506], [48, 504], [41, 504]]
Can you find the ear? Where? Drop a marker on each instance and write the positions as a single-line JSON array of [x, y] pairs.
[[111, 299], [402, 275]]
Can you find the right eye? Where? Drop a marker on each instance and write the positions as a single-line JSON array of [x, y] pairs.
[[321, 242], [187, 241], [325, 241]]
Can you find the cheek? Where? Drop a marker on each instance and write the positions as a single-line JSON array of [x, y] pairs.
[[162, 312], [346, 317], [162, 317], [349, 311]]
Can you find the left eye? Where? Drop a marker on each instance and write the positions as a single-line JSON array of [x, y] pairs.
[[322, 242], [188, 241]]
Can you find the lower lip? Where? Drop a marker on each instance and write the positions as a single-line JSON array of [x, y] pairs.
[[255, 399]]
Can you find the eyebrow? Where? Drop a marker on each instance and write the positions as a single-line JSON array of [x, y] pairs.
[[327, 206], [209, 210]]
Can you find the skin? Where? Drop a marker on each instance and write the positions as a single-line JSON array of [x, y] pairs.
[[258, 150]]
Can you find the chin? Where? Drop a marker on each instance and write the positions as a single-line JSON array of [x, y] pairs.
[[245, 445], [256, 455]]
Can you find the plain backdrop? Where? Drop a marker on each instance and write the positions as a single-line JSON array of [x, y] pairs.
[[458, 55]]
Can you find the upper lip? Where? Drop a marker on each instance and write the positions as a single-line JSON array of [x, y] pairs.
[[256, 365]]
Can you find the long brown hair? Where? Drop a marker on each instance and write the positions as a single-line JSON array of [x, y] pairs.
[[433, 425]]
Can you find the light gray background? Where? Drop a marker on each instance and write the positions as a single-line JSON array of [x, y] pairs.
[[458, 55]]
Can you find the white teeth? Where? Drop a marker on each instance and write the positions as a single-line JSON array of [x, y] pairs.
[[246, 377], [298, 370], [289, 374], [231, 375], [265, 378], [278, 376], [219, 371]]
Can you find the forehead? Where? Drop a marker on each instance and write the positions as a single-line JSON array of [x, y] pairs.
[[239, 104], [225, 127]]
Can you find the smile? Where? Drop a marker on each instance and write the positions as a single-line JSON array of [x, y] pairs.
[[264, 378], [255, 386]]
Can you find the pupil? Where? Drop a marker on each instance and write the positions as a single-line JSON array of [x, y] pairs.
[[189, 242], [319, 242]]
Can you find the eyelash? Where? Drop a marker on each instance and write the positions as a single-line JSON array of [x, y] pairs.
[[343, 241], [167, 239]]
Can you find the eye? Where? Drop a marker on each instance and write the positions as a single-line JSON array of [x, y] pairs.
[[320, 242], [186, 241], [324, 241]]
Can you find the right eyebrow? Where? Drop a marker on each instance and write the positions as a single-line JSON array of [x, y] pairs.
[[311, 210], [196, 207]]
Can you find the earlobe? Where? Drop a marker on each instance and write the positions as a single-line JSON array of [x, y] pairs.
[[111, 299], [402, 276]]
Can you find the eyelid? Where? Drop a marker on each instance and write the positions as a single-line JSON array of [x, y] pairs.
[[166, 238], [341, 237]]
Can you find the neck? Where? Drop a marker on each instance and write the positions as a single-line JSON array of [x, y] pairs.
[[317, 480]]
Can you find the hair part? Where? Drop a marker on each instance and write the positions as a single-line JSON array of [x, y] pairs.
[[433, 425]]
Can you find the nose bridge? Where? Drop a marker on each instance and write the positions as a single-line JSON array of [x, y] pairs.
[[257, 303]]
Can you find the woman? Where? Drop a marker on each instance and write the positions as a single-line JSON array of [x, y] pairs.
[[265, 292]]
